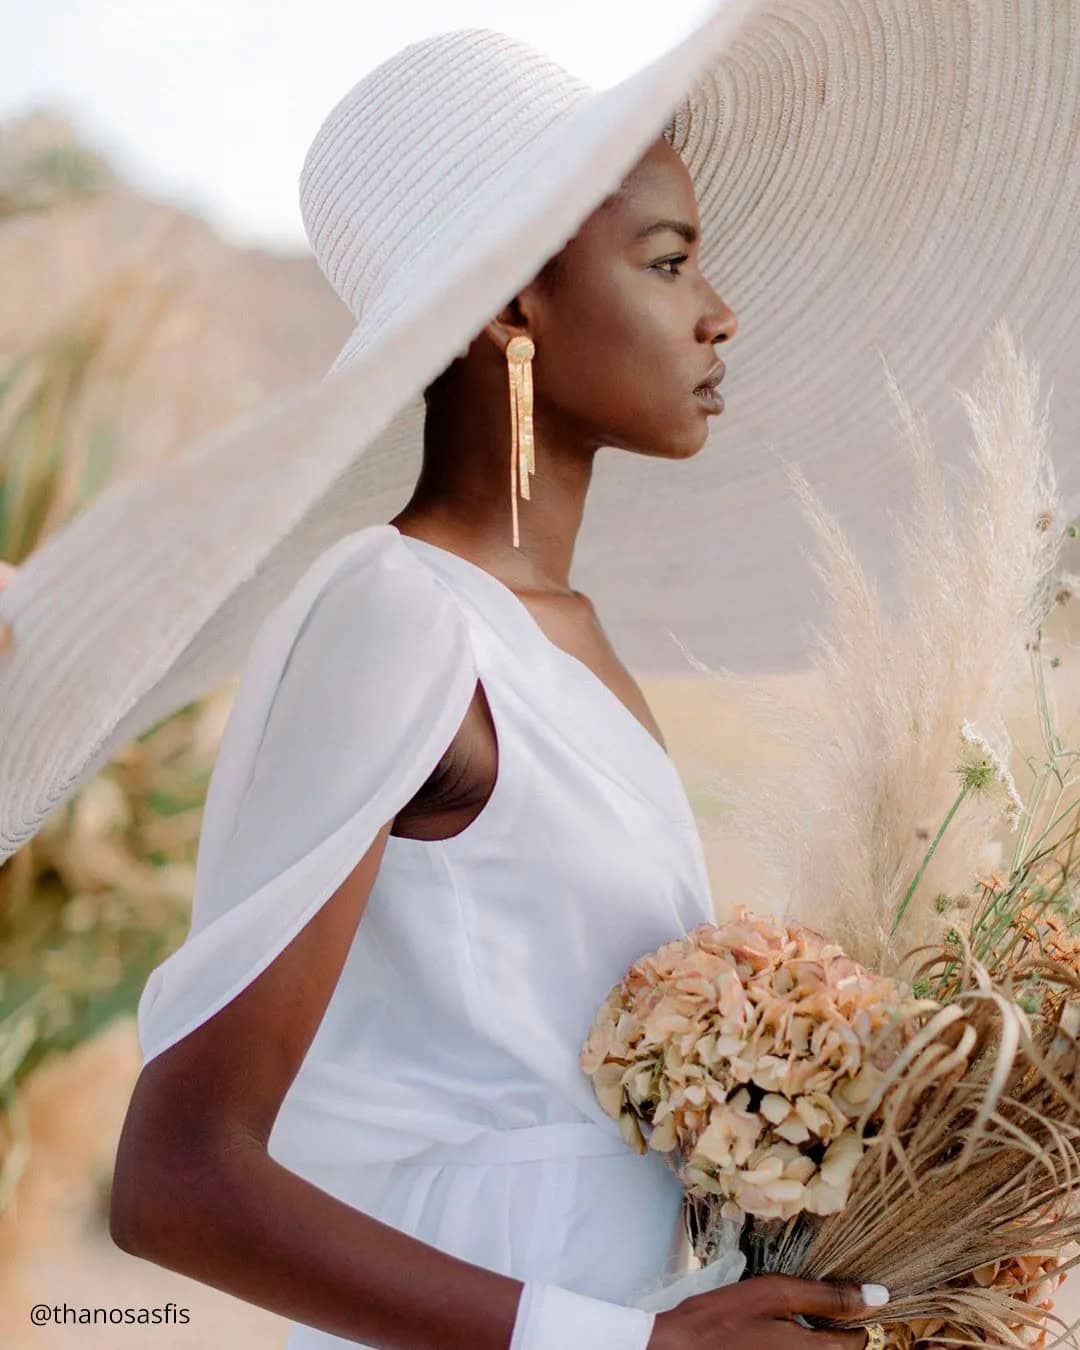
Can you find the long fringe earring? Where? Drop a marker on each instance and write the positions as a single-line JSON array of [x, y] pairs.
[[519, 354]]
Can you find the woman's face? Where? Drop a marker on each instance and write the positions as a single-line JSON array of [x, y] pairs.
[[625, 327]]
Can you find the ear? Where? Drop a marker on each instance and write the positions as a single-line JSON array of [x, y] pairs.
[[515, 319]]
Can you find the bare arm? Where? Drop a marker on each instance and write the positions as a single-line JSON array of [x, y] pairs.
[[196, 1190]]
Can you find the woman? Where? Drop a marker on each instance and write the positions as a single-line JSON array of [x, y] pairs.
[[538, 835], [432, 730]]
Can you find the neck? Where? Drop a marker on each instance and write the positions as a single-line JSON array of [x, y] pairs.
[[462, 496]]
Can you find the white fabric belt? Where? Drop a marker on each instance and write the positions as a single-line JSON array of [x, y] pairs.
[[550, 1317], [529, 1143]]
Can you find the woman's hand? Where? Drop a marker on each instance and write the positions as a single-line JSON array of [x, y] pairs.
[[6, 573], [759, 1315]]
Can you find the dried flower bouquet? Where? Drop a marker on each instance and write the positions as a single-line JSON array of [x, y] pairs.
[[874, 1074]]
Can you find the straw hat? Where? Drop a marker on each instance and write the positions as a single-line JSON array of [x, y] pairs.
[[874, 177]]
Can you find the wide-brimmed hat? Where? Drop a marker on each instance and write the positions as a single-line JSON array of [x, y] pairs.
[[875, 178]]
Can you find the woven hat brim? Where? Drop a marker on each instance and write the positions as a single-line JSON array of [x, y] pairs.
[[151, 596], [873, 179]]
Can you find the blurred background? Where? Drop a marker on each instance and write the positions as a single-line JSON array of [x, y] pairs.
[[156, 281]]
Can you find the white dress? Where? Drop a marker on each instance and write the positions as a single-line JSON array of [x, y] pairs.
[[442, 1092]]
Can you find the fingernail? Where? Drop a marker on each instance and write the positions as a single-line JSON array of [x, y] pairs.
[[875, 1295]]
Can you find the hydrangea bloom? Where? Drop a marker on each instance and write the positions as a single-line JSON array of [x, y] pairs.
[[750, 1050]]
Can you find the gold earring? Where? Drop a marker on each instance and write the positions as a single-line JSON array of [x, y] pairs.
[[519, 354]]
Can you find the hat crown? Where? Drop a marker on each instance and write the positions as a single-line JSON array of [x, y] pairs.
[[406, 149]]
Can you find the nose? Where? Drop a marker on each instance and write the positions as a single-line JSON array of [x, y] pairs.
[[718, 323]]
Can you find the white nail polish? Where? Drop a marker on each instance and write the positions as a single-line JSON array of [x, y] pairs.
[[875, 1295]]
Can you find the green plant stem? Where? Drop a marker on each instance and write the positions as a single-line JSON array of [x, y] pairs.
[[1052, 848], [926, 860]]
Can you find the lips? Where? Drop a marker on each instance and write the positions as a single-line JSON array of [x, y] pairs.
[[709, 400], [709, 383]]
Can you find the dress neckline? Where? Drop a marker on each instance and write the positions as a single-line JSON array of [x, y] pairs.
[[535, 628]]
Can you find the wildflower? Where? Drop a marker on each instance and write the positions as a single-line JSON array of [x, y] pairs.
[[983, 770], [1066, 588]]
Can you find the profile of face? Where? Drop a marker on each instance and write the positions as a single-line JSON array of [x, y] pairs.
[[624, 322]]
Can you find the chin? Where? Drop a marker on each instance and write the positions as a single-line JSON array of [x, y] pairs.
[[689, 445], [689, 442]]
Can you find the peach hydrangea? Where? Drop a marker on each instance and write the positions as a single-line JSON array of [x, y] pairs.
[[750, 1050]]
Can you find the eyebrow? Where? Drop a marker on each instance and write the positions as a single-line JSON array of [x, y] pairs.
[[680, 227]]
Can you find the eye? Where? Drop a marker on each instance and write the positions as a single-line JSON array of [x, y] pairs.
[[674, 263]]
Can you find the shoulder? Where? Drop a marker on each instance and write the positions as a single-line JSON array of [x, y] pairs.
[[369, 594], [367, 640], [355, 686]]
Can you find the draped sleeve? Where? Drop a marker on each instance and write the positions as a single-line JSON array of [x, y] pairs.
[[353, 689]]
